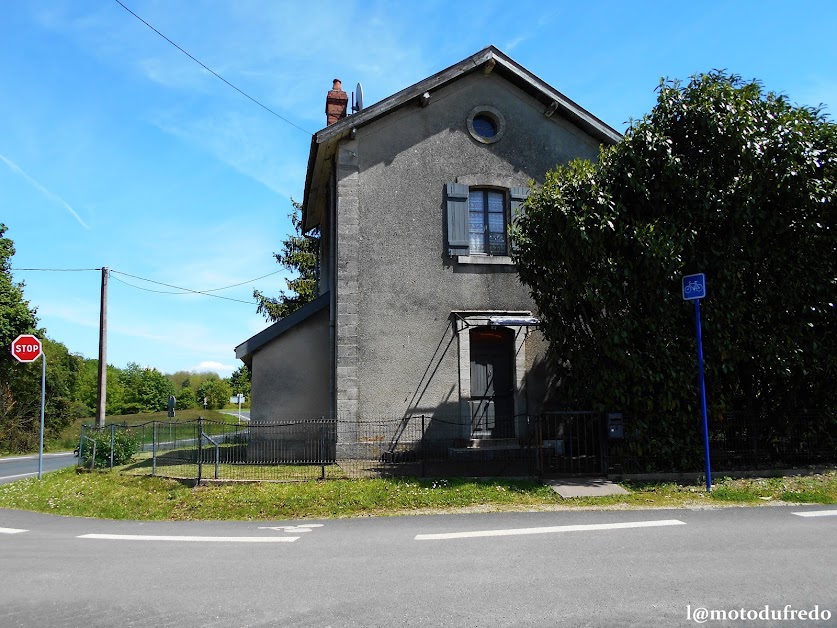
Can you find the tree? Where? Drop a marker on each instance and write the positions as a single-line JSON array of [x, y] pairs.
[[216, 392], [86, 391], [62, 380], [299, 254], [146, 389], [186, 399], [19, 383], [16, 316], [240, 381], [720, 178]]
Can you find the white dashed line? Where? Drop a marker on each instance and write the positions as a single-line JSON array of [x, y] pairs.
[[191, 539], [35, 456], [19, 475], [305, 527], [817, 513], [549, 530], [11, 531]]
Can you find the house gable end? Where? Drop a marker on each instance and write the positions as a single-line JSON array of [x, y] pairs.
[[246, 349], [489, 61]]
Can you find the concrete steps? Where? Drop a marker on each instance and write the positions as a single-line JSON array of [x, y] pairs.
[[493, 443]]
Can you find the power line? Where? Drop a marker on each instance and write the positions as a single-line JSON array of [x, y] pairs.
[[168, 285], [217, 296], [59, 270], [235, 285], [149, 289], [208, 69], [179, 288]]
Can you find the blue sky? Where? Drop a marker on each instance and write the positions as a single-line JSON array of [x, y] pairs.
[[118, 150]]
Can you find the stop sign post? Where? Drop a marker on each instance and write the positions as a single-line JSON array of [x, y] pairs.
[[28, 348]]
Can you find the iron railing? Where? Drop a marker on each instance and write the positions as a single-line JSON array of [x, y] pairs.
[[558, 443]]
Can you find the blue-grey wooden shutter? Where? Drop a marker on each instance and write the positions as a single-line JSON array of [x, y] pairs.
[[518, 196], [457, 214]]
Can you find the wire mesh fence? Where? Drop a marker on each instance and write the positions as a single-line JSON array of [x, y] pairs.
[[559, 443], [414, 446]]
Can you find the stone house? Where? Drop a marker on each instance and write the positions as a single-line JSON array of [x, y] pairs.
[[420, 310]]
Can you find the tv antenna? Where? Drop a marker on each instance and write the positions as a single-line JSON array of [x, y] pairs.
[[357, 97]]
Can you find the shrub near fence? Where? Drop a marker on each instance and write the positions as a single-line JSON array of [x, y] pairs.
[[107, 447]]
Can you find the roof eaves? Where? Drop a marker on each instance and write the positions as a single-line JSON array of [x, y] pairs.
[[309, 179], [253, 344], [405, 95]]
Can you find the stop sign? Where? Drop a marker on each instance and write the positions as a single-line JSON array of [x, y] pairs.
[[26, 348]]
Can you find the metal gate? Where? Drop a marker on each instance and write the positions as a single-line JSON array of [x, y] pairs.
[[572, 443]]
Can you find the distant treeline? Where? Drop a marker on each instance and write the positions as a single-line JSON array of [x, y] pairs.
[[71, 391], [72, 380]]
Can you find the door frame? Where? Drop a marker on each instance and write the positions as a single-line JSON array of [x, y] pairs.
[[497, 346], [463, 321]]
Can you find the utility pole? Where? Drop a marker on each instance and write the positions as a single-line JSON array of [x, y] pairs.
[[102, 395]]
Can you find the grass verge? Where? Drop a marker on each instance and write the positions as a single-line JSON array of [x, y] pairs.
[[113, 495]]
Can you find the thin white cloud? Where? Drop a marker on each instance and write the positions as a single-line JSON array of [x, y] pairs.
[[50, 195], [244, 143], [76, 311], [514, 43], [216, 367]]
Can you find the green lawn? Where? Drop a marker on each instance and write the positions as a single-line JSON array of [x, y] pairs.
[[115, 495]]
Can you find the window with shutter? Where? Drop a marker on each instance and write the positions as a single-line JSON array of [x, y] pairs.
[[457, 214], [478, 219], [518, 196]]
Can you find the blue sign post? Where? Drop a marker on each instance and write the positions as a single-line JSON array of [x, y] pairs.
[[694, 289]]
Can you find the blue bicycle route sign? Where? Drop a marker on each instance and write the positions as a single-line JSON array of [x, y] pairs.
[[694, 289], [694, 286]]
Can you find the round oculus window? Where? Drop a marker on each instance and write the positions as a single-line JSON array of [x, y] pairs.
[[485, 124]]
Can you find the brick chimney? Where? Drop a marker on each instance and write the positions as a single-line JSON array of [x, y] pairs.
[[336, 103]]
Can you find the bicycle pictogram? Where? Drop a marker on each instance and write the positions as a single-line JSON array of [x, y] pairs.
[[694, 287]]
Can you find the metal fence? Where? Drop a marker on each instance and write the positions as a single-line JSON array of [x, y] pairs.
[[560, 443], [738, 441], [415, 446]]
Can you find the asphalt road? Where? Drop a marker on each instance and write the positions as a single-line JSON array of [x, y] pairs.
[[569, 568], [20, 467], [245, 414]]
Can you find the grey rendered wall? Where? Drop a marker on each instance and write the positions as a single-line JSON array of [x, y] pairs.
[[291, 374], [397, 352]]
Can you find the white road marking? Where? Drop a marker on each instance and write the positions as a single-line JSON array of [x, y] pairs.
[[35, 457], [817, 513], [551, 529], [11, 531], [305, 527], [192, 539], [19, 475]]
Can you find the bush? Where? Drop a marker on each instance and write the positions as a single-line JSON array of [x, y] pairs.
[[125, 445]]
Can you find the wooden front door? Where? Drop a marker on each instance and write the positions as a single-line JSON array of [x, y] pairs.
[[492, 383]]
